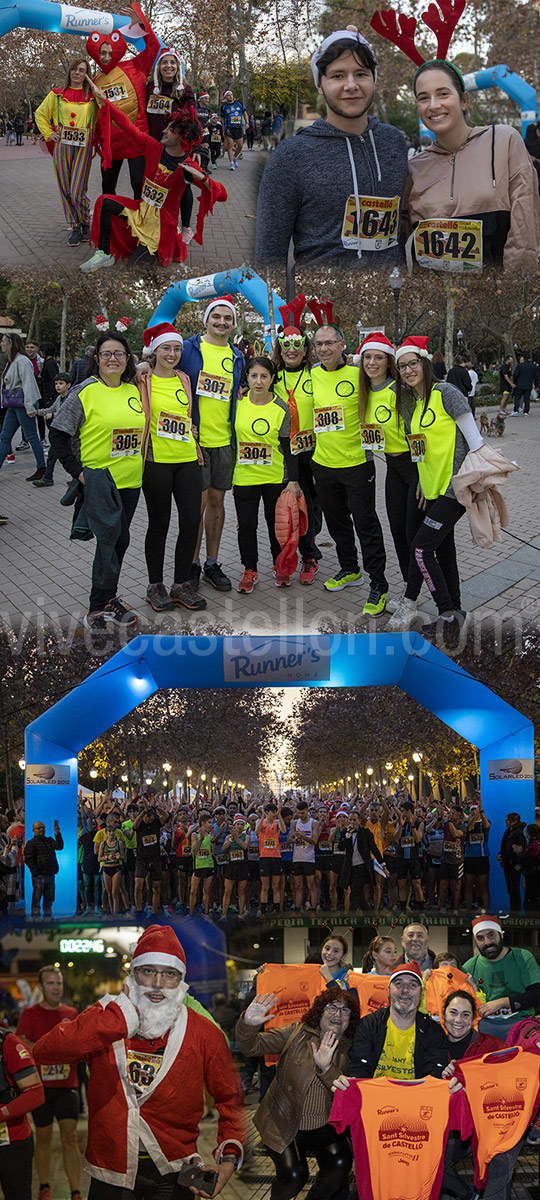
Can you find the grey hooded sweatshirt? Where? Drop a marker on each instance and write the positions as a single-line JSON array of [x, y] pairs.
[[306, 186]]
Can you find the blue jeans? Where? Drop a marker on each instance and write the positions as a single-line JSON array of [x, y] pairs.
[[13, 419], [42, 890]]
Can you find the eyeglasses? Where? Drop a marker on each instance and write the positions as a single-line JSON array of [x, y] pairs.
[[325, 345], [112, 354], [409, 366], [169, 976], [335, 1009]]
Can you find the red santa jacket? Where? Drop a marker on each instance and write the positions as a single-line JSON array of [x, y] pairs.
[[171, 247], [125, 81], [165, 1116]]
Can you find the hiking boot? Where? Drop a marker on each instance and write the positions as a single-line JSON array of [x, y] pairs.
[[309, 570], [188, 596], [158, 597], [214, 575], [248, 581], [343, 579], [375, 603], [117, 612]]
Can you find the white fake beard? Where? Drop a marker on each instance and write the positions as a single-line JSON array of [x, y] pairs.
[[156, 1019]]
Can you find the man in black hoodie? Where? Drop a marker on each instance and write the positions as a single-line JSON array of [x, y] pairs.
[[315, 184], [40, 858]]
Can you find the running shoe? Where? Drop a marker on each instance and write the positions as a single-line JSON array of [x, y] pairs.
[[4, 520], [158, 597], [248, 581], [241, 155], [94, 621], [75, 237], [117, 612], [43, 482], [97, 261], [194, 575], [309, 570], [38, 474], [10, 458], [280, 579], [85, 233], [404, 617], [343, 579], [24, 445], [232, 166], [213, 574], [375, 603], [393, 605], [188, 596], [448, 629]]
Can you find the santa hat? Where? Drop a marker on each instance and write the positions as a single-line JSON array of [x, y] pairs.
[[227, 301], [350, 34], [153, 337], [204, 96], [159, 946], [376, 341], [238, 817], [418, 344], [342, 812], [485, 922], [291, 331], [408, 968], [174, 54]]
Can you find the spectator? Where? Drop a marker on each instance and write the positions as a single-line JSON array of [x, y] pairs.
[[512, 846], [526, 376], [40, 858]]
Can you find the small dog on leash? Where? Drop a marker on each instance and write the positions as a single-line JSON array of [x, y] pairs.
[[496, 425], [484, 423]]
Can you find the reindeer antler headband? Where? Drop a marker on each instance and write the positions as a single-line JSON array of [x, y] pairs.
[[442, 18]]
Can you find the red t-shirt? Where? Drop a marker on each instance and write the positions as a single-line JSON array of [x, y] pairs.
[[399, 1130], [18, 1062], [33, 1023]]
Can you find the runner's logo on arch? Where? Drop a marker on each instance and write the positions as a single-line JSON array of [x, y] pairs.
[[292, 660]]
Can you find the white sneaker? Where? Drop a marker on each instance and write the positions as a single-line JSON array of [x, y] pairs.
[[404, 617], [393, 605], [98, 260]]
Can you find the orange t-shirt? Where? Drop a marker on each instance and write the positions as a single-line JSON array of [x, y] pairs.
[[371, 989], [269, 841], [503, 1090], [295, 986], [399, 1132], [443, 981]]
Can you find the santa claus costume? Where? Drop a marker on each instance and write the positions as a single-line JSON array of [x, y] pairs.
[[142, 1118], [123, 80]]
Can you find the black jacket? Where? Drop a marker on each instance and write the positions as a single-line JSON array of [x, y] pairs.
[[460, 378], [430, 1049], [367, 846], [40, 854]]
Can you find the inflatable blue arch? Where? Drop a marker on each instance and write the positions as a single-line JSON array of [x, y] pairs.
[[61, 18], [503, 736], [241, 281]]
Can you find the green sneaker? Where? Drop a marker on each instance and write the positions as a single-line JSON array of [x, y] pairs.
[[343, 579], [375, 603], [98, 260]]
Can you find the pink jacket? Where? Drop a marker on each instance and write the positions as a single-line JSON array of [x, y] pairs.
[[476, 486]]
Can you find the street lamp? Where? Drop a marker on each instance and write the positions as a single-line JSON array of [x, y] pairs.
[[22, 763], [93, 776], [396, 283], [369, 771]]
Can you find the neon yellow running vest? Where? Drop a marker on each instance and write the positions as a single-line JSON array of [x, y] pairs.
[[111, 435], [335, 417], [437, 432]]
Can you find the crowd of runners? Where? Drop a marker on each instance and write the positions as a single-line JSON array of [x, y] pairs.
[[299, 429], [231, 853]]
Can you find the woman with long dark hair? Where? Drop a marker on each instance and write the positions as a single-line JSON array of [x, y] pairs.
[[292, 1119], [66, 120], [20, 399], [98, 438]]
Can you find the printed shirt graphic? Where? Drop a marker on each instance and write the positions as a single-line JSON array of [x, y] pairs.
[[295, 987], [397, 1058], [503, 1090], [509, 976], [371, 989], [399, 1132]]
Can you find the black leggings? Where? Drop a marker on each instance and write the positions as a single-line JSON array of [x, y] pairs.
[[16, 1170], [100, 596], [433, 555], [161, 483], [334, 1159], [306, 544], [404, 515], [109, 209], [109, 178], [247, 499], [149, 1185], [186, 206]]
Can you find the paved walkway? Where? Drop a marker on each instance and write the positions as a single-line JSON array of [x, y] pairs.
[[44, 578], [33, 233]]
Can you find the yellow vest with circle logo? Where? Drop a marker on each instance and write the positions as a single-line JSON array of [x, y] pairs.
[[215, 412], [300, 383], [170, 423], [111, 435], [258, 454], [381, 410], [336, 420], [439, 430]]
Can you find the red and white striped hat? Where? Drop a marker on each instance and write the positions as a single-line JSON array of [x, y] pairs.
[[227, 301], [418, 344], [156, 334], [376, 341], [159, 946]]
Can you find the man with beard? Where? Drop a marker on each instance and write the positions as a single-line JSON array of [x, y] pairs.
[[510, 978], [142, 1048], [398, 1041], [336, 187]]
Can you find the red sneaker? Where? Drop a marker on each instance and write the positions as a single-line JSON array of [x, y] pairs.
[[309, 570], [248, 581], [281, 580], [10, 458]]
